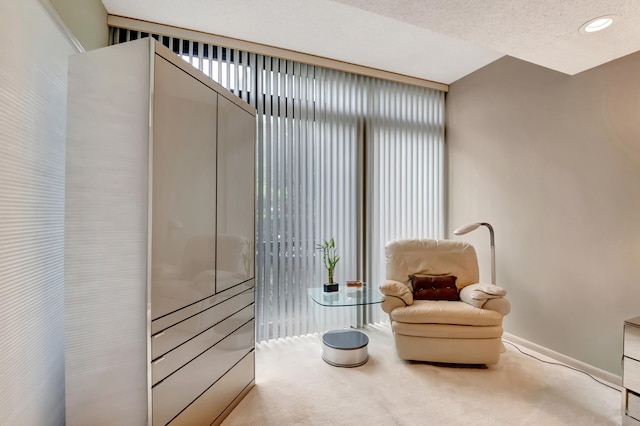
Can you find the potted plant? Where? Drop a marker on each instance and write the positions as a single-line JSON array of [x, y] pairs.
[[330, 258]]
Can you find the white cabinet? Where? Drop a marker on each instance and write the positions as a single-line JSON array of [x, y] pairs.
[[631, 372], [236, 136], [159, 241]]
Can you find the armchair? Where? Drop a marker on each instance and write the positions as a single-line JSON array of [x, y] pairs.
[[465, 331]]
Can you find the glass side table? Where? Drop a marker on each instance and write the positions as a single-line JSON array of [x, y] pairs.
[[346, 348]]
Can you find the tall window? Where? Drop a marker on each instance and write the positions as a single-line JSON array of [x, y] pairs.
[[341, 156]]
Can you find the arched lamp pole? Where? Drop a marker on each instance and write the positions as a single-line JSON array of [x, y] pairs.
[[473, 226]]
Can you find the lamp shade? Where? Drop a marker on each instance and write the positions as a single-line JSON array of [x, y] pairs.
[[467, 228]]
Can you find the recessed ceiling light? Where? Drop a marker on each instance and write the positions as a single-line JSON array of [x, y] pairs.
[[597, 24]]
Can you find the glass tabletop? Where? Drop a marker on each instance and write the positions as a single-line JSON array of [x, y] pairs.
[[346, 296]]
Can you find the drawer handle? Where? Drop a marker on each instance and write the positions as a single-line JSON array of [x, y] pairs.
[[157, 361]]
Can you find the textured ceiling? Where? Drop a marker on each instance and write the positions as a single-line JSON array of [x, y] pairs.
[[544, 32], [437, 40]]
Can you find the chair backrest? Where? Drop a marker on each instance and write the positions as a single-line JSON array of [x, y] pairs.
[[431, 257]]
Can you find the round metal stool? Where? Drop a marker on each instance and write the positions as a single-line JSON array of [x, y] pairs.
[[345, 348]]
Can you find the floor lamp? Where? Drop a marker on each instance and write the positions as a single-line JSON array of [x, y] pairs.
[[473, 226]]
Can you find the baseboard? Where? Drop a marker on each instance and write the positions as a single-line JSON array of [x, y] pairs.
[[610, 378]]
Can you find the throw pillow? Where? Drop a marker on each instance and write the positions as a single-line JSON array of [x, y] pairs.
[[434, 287]]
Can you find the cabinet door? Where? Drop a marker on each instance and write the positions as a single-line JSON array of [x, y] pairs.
[[184, 184], [235, 252]]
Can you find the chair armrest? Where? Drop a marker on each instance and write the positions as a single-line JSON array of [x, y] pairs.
[[396, 295], [397, 289], [501, 305], [479, 294], [390, 303]]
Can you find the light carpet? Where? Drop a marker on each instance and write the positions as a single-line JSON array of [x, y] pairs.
[[294, 386]]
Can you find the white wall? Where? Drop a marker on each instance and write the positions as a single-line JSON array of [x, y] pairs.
[[33, 90], [87, 19], [553, 163]]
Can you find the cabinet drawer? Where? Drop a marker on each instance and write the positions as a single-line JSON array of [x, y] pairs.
[[631, 374], [633, 405], [176, 392], [220, 397], [159, 324], [632, 342], [173, 360], [172, 337]]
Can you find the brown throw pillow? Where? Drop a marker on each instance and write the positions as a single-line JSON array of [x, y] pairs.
[[434, 287]]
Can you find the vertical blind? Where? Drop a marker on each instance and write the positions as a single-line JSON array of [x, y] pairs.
[[406, 168], [341, 156]]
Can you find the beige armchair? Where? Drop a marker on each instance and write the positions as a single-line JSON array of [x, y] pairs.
[[465, 331]]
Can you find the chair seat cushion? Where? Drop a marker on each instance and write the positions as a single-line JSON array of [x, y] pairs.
[[446, 331], [445, 312]]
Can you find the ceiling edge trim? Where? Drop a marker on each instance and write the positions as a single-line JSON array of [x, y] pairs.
[[262, 49]]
